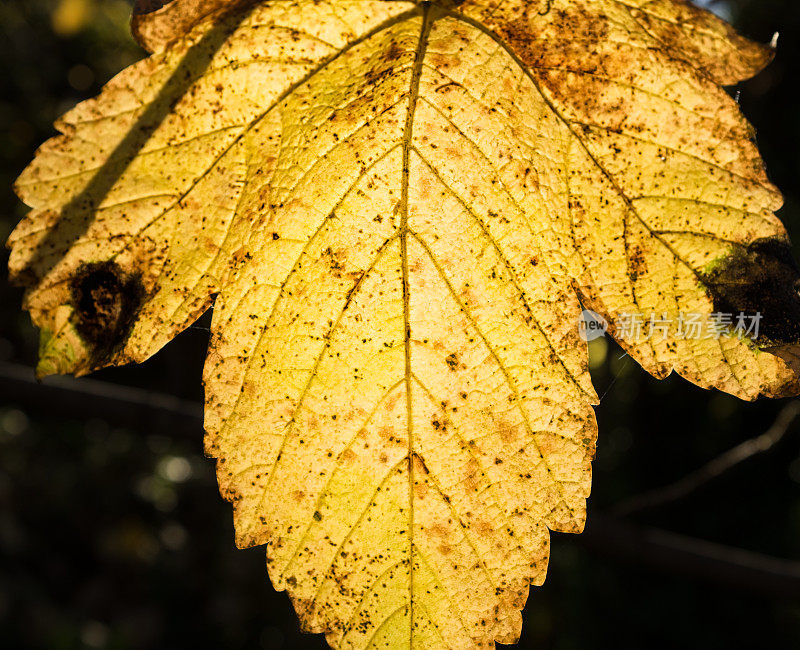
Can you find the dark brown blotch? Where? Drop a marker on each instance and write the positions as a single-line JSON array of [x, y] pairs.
[[762, 278], [105, 301], [637, 265], [148, 6]]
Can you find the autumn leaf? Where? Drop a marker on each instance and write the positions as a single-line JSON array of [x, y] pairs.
[[398, 211]]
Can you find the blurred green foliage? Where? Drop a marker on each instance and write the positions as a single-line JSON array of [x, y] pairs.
[[113, 535]]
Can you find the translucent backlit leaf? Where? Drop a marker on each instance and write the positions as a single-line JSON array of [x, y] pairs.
[[399, 211]]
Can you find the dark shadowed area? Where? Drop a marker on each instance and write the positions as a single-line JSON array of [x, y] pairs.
[[112, 531]]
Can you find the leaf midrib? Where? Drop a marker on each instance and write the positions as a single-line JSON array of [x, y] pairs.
[[408, 136]]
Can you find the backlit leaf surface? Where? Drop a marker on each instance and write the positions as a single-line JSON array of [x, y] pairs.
[[397, 209]]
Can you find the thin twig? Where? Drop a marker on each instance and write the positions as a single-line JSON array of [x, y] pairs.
[[714, 469]]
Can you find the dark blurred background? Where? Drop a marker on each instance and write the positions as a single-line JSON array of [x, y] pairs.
[[113, 534]]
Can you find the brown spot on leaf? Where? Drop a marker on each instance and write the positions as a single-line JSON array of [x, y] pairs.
[[391, 401], [507, 432], [762, 278], [636, 263], [105, 300], [439, 530], [472, 475], [528, 33], [148, 6]]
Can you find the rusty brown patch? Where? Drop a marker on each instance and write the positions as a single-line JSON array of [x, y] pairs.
[[762, 278], [391, 401], [105, 300], [420, 490], [439, 530], [537, 41], [141, 7], [472, 475], [452, 361], [637, 265]]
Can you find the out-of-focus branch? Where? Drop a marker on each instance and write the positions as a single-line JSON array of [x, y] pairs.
[[89, 398], [678, 554], [712, 470], [662, 550]]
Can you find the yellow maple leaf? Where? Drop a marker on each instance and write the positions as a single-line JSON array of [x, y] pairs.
[[396, 209]]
